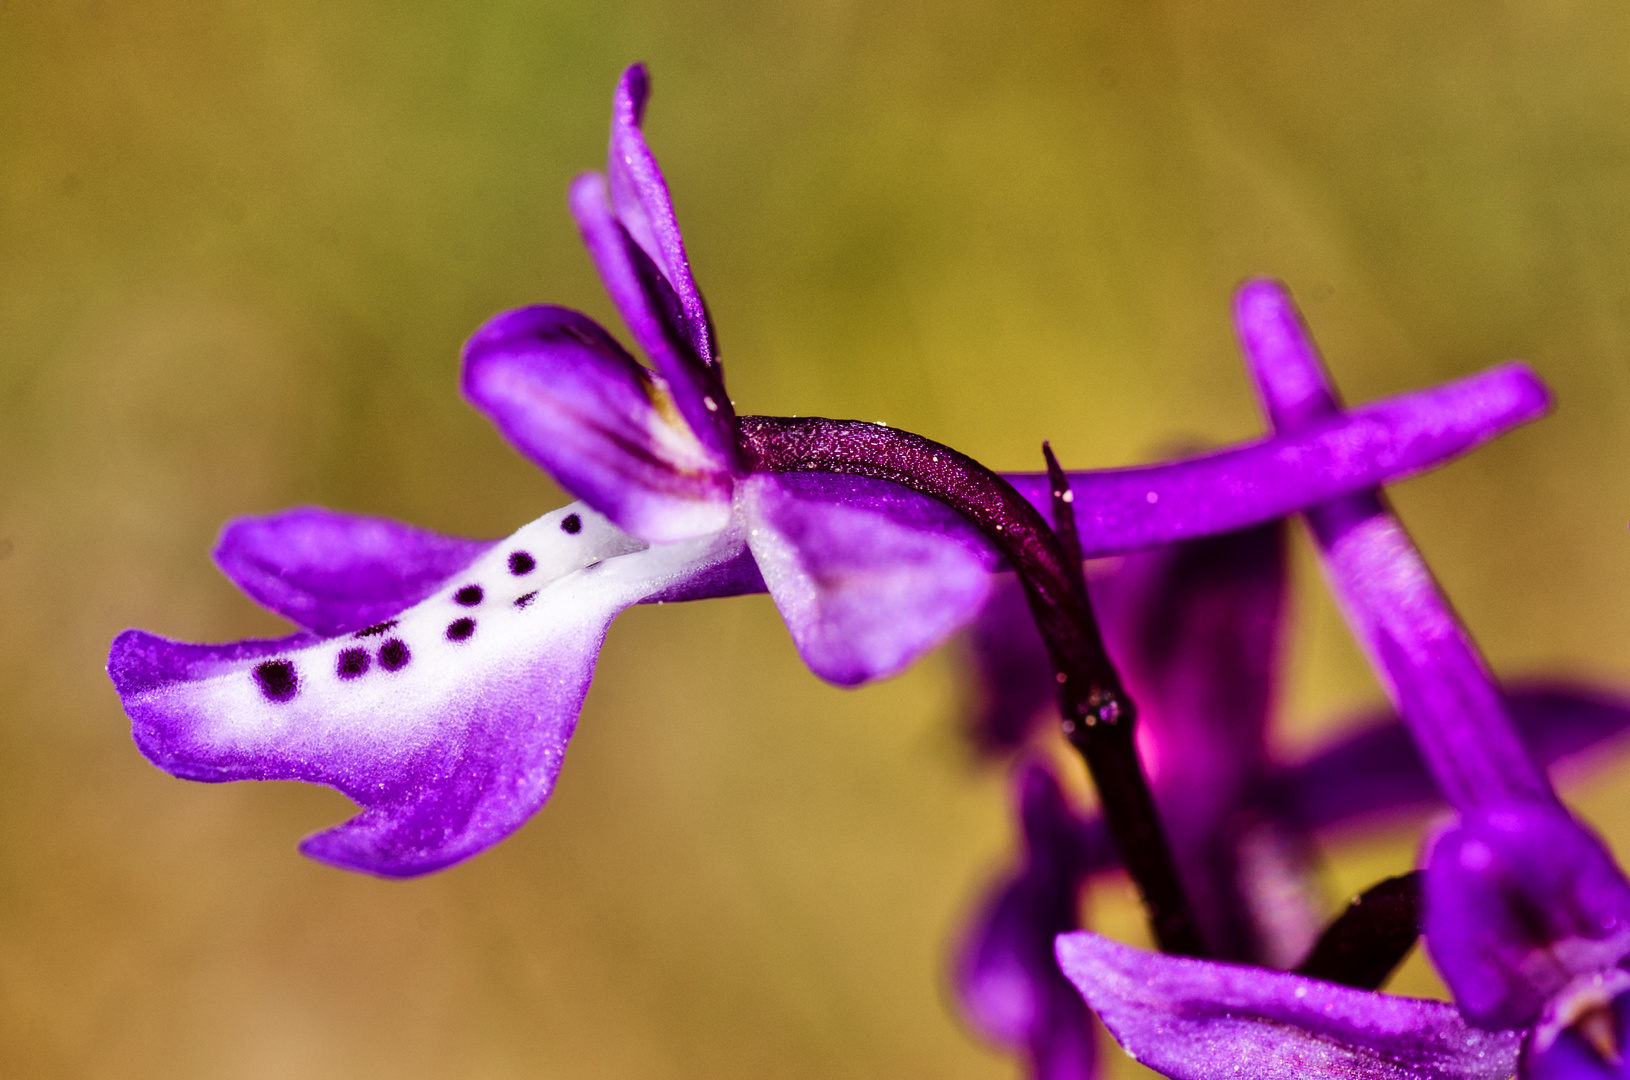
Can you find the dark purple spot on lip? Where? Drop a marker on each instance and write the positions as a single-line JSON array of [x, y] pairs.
[[375, 630], [572, 524], [460, 629], [521, 563], [523, 601], [394, 655], [277, 679], [352, 663], [469, 596]]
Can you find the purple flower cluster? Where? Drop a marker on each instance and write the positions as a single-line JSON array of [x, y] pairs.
[[1525, 912], [437, 681]]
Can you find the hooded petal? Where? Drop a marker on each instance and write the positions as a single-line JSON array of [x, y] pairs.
[[447, 724], [1198, 1020], [646, 299], [862, 594], [1429, 664], [1125, 509], [1525, 912], [1007, 976], [332, 573], [568, 397]]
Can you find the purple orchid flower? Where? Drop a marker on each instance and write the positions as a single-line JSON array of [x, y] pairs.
[[1527, 917], [1194, 628], [436, 681]]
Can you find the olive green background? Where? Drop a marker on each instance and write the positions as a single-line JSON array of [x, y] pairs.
[[241, 244]]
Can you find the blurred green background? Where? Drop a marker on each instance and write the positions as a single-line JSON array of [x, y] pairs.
[[241, 244]]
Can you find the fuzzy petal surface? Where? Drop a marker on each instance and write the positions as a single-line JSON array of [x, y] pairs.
[[862, 594], [566, 395], [1199, 1020], [331, 572], [447, 724]]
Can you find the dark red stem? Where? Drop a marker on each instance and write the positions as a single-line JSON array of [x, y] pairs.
[[1099, 715]]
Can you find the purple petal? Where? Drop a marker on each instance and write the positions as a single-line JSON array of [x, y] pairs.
[[568, 397], [862, 594], [333, 573], [651, 308], [639, 195], [1007, 976], [1013, 992], [1197, 1020], [1427, 661], [1526, 911], [1126, 509], [447, 724], [1379, 771]]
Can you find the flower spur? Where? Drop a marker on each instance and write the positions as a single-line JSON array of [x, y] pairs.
[[1526, 916], [436, 681]]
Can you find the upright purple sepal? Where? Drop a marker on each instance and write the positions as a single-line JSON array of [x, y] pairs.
[[1198, 1020], [332, 573], [862, 594], [1525, 910], [640, 199], [646, 299], [567, 395]]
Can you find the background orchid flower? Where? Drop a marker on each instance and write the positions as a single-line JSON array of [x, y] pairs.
[[438, 680], [1527, 916], [1195, 629]]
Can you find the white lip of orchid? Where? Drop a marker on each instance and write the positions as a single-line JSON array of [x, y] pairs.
[[582, 571]]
